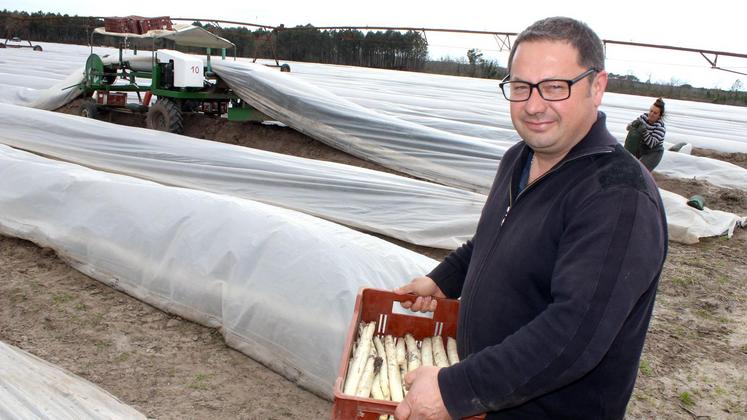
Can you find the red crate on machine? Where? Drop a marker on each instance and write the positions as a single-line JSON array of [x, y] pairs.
[[380, 306], [127, 24], [116, 24], [161, 22], [133, 25]]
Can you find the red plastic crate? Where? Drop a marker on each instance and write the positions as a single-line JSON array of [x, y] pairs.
[[161, 22], [127, 24], [377, 305], [116, 24], [133, 24]]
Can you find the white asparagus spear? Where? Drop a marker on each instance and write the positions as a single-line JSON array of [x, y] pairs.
[[360, 357], [395, 380], [413, 353], [372, 366], [401, 353], [426, 352], [439, 353], [402, 362], [402, 373], [376, 392], [451, 350], [383, 379]]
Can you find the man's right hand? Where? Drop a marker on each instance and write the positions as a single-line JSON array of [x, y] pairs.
[[425, 288]]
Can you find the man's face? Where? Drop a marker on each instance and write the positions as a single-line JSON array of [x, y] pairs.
[[553, 128]]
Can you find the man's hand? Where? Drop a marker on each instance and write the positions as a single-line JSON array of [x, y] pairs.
[[425, 288], [423, 400]]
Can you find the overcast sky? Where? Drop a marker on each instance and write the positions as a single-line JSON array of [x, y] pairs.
[[714, 25]]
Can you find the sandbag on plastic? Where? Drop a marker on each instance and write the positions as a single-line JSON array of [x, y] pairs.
[[414, 211], [31, 388], [280, 284]]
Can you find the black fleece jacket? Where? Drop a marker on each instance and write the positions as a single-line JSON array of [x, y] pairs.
[[557, 292]]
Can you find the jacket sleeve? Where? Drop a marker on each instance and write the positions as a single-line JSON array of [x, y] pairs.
[[610, 254], [450, 274]]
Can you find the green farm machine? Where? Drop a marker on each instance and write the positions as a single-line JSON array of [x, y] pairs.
[[182, 84]]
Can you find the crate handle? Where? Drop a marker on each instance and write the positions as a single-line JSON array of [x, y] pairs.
[[397, 308]]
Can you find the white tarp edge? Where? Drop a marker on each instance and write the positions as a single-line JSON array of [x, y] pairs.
[[31, 388], [280, 284], [414, 211], [687, 224], [716, 172], [53, 97]]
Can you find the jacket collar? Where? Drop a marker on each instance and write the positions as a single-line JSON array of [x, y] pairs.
[[597, 140]]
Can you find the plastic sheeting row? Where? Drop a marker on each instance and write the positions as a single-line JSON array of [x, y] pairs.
[[31, 388], [414, 211], [449, 151], [442, 128], [410, 210], [279, 283]]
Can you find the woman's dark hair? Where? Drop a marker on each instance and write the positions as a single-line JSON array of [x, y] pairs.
[[660, 104]]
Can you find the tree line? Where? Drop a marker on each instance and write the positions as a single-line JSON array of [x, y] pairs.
[[381, 49]]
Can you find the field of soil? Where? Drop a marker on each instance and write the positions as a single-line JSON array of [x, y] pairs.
[[694, 363]]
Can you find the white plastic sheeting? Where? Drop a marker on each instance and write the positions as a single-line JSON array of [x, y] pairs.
[[394, 117], [430, 153], [475, 107], [31, 388], [716, 172], [414, 211], [437, 155], [686, 224], [280, 284]]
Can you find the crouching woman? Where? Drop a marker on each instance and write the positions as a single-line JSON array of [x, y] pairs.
[[645, 138]]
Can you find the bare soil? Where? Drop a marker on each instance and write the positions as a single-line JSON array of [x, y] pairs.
[[694, 363]]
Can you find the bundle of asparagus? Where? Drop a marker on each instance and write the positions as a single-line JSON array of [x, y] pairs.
[[378, 367]]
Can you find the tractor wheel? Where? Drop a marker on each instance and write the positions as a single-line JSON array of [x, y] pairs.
[[88, 109], [285, 68], [37, 48], [165, 115]]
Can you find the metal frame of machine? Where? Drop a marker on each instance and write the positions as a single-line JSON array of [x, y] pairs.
[[182, 83], [15, 42]]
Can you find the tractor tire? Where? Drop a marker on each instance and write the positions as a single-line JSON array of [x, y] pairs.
[[165, 115], [37, 48], [88, 109]]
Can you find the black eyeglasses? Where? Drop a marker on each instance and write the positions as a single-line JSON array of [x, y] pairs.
[[549, 89]]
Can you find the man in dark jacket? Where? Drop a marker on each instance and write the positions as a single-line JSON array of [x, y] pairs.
[[558, 283]]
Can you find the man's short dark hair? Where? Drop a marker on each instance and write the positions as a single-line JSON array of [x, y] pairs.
[[578, 34]]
